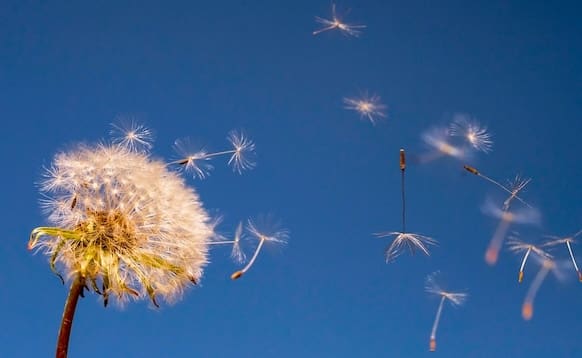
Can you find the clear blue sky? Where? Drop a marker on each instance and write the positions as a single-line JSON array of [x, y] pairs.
[[201, 69]]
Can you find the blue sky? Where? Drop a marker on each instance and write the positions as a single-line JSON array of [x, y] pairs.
[[201, 69]]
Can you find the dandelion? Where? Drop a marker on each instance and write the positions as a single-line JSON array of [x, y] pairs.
[[517, 185], [266, 232], [547, 265], [556, 240], [473, 132], [123, 226], [403, 240], [369, 107], [336, 23], [518, 246], [132, 135], [440, 140], [526, 215], [196, 159], [236, 254], [455, 298]]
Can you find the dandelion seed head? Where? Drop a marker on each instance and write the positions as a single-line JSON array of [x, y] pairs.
[[402, 241], [369, 107], [473, 132], [123, 222]]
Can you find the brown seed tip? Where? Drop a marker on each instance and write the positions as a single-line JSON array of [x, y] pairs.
[[580, 276], [470, 169], [491, 256], [402, 160], [527, 311], [432, 345], [520, 278], [236, 275]]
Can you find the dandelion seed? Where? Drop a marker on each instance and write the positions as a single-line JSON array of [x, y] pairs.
[[517, 185], [196, 159], [556, 240], [455, 298], [135, 229], [547, 265], [266, 232], [524, 216], [132, 135], [369, 107], [243, 148], [472, 132], [236, 254], [404, 240], [439, 139], [518, 246], [336, 23], [402, 169]]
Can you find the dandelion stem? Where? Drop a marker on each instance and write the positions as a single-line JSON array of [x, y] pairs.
[[523, 264], [572, 256], [527, 308], [436, 324], [495, 244], [248, 266], [402, 169], [239, 273], [68, 315], [220, 153]]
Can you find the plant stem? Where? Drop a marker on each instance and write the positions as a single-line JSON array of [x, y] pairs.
[[68, 315]]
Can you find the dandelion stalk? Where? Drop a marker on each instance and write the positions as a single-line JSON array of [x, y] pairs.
[[432, 345], [527, 307], [402, 169], [133, 230], [239, 273], [520, 278], [68, 314]]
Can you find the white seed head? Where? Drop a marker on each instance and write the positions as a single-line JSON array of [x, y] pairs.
[[122, 220]]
